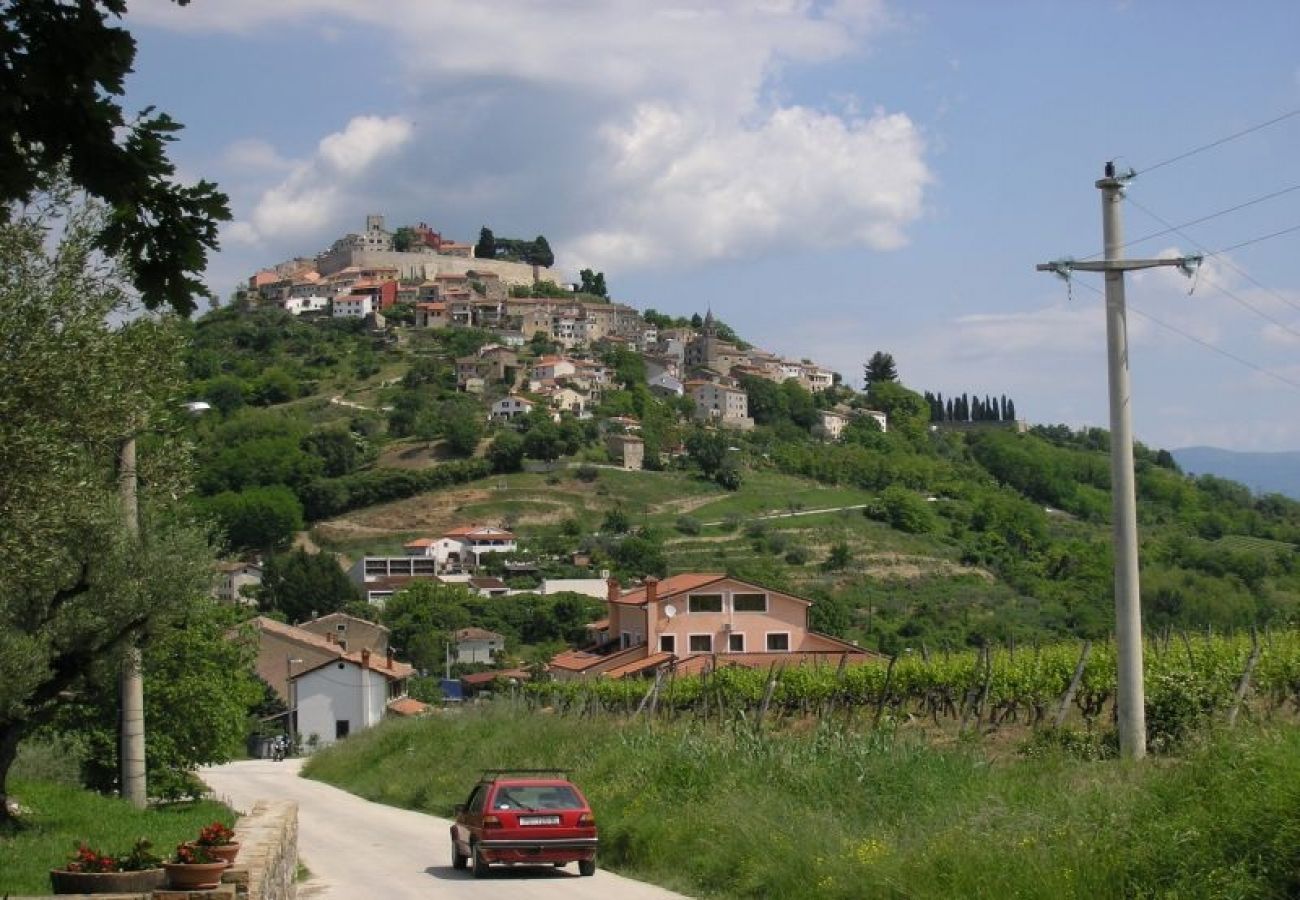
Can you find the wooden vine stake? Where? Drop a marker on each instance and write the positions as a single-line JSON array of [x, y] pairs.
[[1061, 711], [1243, 683]]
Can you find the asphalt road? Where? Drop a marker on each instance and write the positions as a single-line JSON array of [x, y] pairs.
[[356, 849]]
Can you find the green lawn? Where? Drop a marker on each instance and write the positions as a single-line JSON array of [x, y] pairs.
[[62, 816]]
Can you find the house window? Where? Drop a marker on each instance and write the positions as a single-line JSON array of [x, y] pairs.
[[778, 641], [749, 603], [341, 627], [625, 640], [668, 643], [704, 603], [736, 642], [341, 727], [701, 643]]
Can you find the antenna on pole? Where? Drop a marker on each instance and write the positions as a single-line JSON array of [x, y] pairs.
[[1130, 697]]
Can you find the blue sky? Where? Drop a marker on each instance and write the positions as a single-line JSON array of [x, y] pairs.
[[832, 178]]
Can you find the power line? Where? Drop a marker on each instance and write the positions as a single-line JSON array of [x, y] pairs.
[[1221, 141], [1218, 254], [1265, 237], [1207, 218], [1206, 344]]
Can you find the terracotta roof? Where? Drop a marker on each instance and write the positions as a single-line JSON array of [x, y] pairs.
[[335, 617], [407, 706], [653, 661], [599, 624], [490, 584], [420, 542], [378, 661], [671, 586], [484, 531], [491, 675], [476, 634], [582, 660], [701, 662]]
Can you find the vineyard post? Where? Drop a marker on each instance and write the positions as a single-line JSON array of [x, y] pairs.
[[1243, 684], [884, 692], [1068, 698], [767, 695], [1187, 645]]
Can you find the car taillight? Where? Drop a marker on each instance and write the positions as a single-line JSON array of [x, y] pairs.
[[491, 822], [586, 819]]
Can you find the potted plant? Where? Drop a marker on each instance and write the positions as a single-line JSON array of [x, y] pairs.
[[91, 872], [193, 868], [219, 840]]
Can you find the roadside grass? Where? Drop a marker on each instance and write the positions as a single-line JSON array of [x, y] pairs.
[[828, 812], [61, 816]]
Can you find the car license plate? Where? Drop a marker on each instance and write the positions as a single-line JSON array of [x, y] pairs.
[[539, 820]]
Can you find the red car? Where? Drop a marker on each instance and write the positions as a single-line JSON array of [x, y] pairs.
[[524, 816]]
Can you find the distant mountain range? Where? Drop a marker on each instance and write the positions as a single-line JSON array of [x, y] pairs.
[[1263, 473]]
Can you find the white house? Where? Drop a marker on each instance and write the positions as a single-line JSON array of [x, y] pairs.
[[511, 407], [464, 547], [353, 306], [475, 645], [720, 403], [233, 578], [346, 694], [295, 305], [551, 367]]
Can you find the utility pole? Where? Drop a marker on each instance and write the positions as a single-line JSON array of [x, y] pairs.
[[1130, 694], [130, 680]]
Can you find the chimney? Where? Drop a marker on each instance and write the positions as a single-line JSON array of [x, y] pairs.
[[390, 657], [652, 613], [365, 657], [612, 590]]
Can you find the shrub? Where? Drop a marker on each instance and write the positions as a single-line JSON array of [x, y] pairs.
[[586, 473], [688, 525], [797, 556]]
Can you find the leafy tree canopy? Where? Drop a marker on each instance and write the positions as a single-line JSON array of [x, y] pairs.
[[62, 74]]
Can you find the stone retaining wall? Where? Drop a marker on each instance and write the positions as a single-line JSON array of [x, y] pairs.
[[267, 866]]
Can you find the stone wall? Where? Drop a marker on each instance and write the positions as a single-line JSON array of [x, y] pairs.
[[267, 866], [428, 265]]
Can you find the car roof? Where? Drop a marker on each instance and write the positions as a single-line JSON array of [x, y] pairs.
[[524, 782]]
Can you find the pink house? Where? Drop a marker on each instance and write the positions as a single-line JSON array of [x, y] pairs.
[[695, 620]]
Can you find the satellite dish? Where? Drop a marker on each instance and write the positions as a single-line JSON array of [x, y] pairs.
[[670, 610]]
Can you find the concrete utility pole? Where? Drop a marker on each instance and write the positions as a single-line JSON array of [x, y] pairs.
[[130, 680], [1130, 695]]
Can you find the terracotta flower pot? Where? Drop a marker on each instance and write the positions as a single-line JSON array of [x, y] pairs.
[[224, 852], [194, 876], [65, 882]]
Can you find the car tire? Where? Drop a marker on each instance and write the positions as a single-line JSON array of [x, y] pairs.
[[480, 864], [458, 860], [586, 867]]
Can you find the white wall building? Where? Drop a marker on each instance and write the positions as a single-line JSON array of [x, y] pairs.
[[511, 407], [346, 695], [476, 645], [353, 306]]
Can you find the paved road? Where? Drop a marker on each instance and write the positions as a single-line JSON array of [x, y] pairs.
[[356, 849]]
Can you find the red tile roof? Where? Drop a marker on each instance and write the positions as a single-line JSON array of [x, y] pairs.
[[476, 634], [378, 661], [671, 586], [407, 706], [491, 675], [420, 542], [653, 661]]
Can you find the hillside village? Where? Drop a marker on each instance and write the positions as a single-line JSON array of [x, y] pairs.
[[512, 478], [438, 283], [545, 350]]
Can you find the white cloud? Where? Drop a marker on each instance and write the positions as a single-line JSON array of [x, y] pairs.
[[661, 123], [314, 192], [254, 155]]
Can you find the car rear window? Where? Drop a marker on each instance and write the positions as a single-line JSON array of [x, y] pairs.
[[533, 797]]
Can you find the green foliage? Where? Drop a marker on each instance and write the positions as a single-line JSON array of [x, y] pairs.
[[300, 585], [593, 283], [256, 518], [199, 689], [902, 509], [63, 71], [879, 369], [506, 452], [326, 497], [76, 586], [337, 448]]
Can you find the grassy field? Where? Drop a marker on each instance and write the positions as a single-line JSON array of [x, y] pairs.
[[63, 816], [828, 813]]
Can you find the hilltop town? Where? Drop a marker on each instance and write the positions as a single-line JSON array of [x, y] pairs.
[[436, 283]]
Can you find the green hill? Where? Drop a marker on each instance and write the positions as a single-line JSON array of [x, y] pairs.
[[918, 535]]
